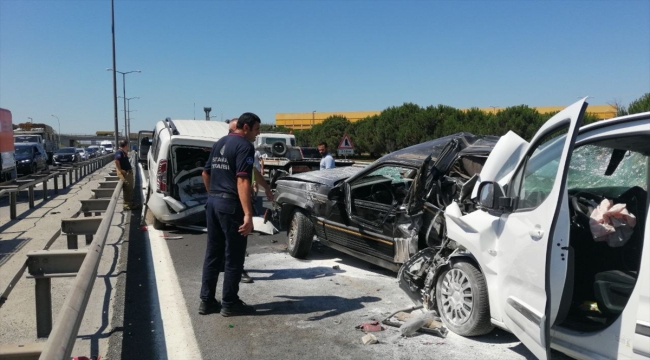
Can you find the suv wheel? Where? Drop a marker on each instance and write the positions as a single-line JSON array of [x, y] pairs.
[[157, 224], [462, 300], [301, 234]]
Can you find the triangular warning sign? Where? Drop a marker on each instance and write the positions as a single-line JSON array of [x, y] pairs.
[[346, 143]]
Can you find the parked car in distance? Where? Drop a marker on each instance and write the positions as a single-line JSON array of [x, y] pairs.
[[66, 155], [387, 211], [96, 149], [175, 162], [31, 158], [108, 146], [145, 138], [83, 155], [92, 152], [557, 247]]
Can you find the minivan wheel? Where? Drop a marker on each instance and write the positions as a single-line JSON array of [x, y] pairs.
[[300, 235], [462, 300]]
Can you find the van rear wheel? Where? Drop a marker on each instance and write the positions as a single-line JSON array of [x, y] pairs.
[[462, 300]]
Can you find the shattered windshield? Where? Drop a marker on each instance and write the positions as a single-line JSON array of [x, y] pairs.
[[589, 165]]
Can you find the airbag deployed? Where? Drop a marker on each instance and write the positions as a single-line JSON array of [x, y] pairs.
[[612, 223]]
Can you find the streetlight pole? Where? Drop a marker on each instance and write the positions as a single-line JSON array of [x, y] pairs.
[[59, 137], [128, 110], [313, 117], [124, 92]]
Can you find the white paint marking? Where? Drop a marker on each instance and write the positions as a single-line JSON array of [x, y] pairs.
[[179, 334], [180, 340]]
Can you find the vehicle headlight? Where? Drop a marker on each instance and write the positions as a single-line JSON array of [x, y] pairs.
[[26, 161]]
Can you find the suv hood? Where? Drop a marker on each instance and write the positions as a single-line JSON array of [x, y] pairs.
[[327, 177]]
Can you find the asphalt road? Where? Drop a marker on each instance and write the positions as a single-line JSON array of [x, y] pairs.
[[306, 308]]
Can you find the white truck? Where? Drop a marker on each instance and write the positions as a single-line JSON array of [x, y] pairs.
[[281, 156], [108, 146]]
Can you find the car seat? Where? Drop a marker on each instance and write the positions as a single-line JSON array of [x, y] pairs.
[[613, 289]]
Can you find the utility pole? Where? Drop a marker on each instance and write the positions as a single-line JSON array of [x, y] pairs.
[[114, 73]]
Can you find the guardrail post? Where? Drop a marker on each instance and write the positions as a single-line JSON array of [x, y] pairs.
[[45, 188], [12, 204], [72, 242], [42, 266], [56, 184], [43, 307], [70, 176], [31, 196]]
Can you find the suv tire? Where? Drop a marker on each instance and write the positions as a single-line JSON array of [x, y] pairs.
[[461, 282], [300, 235], [157, 224]]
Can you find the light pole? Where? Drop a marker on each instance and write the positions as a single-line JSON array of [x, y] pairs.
[[313, 117], [59, 137], [494, 108], [124, 92], [128, 108]]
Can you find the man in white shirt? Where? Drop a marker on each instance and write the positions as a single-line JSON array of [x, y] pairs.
[[327, 162]]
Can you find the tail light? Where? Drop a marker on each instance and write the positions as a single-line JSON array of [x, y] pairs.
[[162, 176]]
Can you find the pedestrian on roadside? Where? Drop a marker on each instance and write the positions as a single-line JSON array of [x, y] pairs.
[[229, 214], [327, 162], [125, 173]]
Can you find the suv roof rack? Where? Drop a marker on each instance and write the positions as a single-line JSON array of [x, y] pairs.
[[169, 124]]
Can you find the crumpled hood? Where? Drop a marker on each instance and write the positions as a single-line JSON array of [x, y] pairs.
[[326, 177]]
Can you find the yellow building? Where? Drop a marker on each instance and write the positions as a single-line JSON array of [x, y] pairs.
[[301, 121]]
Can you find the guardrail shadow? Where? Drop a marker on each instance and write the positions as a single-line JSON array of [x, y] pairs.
[[330, 305]]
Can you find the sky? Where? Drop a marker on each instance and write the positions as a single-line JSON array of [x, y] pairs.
[[277, 56]]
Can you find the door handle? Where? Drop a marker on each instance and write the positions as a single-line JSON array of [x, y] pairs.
[[536, 233]]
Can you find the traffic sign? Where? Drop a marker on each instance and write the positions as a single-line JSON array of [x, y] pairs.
[[346, 143], [343, 152]]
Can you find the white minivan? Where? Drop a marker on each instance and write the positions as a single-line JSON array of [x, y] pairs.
[[178, 152], [557, 251]]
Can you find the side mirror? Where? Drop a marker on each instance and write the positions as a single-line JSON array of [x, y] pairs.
[[491, 196], [486, 195]]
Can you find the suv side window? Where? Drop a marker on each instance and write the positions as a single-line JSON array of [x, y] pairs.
[[154, 144]]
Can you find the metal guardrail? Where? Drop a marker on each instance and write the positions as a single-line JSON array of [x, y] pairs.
[[11, 188], [44, 265], [61, 341]]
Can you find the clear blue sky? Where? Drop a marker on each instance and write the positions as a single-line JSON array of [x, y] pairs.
[[279, 56]]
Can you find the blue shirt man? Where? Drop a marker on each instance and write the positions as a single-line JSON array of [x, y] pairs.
[[229, 216], [327, 162]]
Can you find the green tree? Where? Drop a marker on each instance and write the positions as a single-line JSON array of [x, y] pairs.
[[330, 131], [640, 105]]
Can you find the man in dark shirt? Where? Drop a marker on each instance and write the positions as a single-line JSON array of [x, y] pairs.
[[125, 173], [229, 214]]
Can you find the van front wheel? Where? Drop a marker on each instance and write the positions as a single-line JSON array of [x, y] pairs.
[[157, 224], [462, 300]]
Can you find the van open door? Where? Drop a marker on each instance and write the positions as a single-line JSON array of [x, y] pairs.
[[532, 246]]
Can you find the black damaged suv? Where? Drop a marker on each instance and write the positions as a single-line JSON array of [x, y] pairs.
[[386, 212]]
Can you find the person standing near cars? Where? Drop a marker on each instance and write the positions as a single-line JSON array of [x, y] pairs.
[[125, 173], [327, 162], [227, 177], [257, 180]]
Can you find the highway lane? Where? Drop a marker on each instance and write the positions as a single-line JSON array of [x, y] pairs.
[[306, 308]]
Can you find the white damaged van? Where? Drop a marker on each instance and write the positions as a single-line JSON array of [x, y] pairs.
[[178, 152]]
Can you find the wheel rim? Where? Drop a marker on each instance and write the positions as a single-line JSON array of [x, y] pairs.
[[457, 298], [292, 233]]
